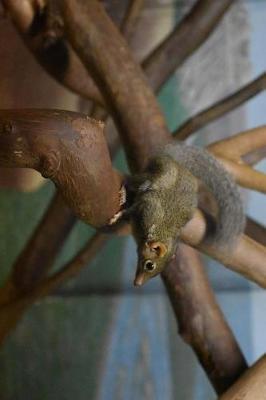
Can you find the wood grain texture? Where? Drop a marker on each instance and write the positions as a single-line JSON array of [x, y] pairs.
[[68, 148], [251, 386]]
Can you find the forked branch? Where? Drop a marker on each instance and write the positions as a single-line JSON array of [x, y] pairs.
[[232, 151], [135, 111], [59, 59]]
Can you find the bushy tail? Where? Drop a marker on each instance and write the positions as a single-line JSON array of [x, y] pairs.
[[231, 217]]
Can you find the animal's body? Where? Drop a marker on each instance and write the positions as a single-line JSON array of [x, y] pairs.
[[164, 197]]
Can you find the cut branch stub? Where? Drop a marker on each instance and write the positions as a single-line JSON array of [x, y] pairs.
[[68, 148]]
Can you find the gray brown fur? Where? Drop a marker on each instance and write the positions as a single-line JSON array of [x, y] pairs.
[[231, 218], [165, 199]]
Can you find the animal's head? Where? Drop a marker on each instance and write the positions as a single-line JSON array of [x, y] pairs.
[[152, 259]]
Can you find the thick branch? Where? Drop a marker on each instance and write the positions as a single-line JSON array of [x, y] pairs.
[[58, 58], [51, 51], [68, 148], [88, 39], [130, 101], [222, 107], [202, 223], [250, 386], [23, 287], [200, 320], [201, 323]]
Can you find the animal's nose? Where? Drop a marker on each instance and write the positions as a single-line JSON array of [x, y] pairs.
[[139, 280]]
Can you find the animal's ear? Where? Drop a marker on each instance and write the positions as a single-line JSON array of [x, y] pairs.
[[159, 248]]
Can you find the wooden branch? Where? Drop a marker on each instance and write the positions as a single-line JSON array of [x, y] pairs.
[[202, 225], [58, 58], [72, 268], [127, 27], [189, 34], [22, 287], [256, 231], [118, 105], [220, 108], [12, 310], [71, 150], [44, 140], [246, 258], [255, 156], [25, 273], [39, 254], [231, 152], [88, 41], [245, 175], [127, 105], [240, 258], [50, 49], [251, 386], [237, 146], [200, 320], [134, 10], [22, 13]]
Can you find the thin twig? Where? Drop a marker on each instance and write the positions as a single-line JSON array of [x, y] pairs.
[[189, 34], [49, 284], [131, 17], [43, 245], [256, 231], [220, 108]]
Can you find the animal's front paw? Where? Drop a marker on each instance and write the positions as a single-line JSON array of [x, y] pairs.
[[122, 202], [123, 196]]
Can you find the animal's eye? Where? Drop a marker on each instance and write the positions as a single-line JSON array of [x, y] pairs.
[[149, 265]]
